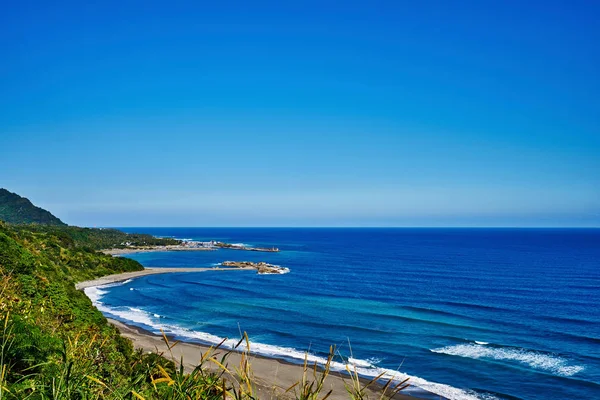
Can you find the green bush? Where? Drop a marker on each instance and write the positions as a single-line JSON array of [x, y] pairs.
[[54, 344], [13, 257]]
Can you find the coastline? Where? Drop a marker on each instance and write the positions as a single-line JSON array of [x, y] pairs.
[[188, 246], [273, 376], [108, 279], [118, 252]]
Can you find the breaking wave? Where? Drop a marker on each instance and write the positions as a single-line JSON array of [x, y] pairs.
[[365, 368], [534, 359]]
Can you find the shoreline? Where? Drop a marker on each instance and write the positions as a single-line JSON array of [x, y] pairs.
[[118, 252], [108, 279], [188, 246], [273, 376]]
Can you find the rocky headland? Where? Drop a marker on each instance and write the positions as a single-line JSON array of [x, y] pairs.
[[261, 267], [186, 245]]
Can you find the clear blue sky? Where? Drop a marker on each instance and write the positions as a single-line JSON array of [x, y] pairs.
[[257, 113]]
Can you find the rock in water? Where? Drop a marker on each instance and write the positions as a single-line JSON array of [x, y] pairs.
[[261, 267]]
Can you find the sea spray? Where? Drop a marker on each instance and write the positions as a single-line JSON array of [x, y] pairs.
[[534, 359]]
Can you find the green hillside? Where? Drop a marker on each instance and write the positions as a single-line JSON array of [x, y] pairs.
[[99, 238], [48, 324], [15, 209], [54, 344]]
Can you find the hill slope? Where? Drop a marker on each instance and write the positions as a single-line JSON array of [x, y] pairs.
[[54, 344], [15, 209]]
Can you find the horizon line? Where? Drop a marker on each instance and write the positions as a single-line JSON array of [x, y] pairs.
[[349, 227]]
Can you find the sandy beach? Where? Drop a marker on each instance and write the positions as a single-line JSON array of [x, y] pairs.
[[272, 376], [105, 280]]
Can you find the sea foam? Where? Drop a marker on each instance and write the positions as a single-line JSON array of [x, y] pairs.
[[278, 271], [534, 359], [365, 368]]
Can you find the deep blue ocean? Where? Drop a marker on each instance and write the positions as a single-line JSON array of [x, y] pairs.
[[467, 313]]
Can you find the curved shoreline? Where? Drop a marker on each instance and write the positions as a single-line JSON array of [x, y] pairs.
[[105, 280], [272, 375]]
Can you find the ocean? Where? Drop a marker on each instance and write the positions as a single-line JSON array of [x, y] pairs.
[[466, 313]]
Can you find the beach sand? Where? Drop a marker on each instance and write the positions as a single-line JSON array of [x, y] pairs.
[[272, 376], [105, 280]]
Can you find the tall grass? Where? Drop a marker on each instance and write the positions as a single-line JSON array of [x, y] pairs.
[[5, 344], [157, 376], [56, 345], [311, 384], [358, 390]]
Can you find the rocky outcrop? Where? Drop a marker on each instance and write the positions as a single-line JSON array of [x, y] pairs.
[[261, 267]]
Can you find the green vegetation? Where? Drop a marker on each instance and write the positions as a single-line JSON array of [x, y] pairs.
[[15, 209], [27, 218], [97, 238], [50, 330], [54, 344]]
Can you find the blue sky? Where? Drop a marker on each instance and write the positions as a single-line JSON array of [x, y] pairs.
[[312, 113]]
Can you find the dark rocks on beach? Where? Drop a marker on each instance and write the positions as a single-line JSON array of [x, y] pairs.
[[260, 267]]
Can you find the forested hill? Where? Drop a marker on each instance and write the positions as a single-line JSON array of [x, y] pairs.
[[15, 209]]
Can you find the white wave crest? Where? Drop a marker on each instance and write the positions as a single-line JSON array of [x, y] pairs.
[[534, 359], [365, 368], [359, 363], [278, 271], [127, 313], [94, 293]]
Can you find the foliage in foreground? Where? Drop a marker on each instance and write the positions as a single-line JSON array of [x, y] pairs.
[[55, 345]]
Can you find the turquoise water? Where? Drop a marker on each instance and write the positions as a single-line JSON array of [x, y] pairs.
[[467, 313]]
